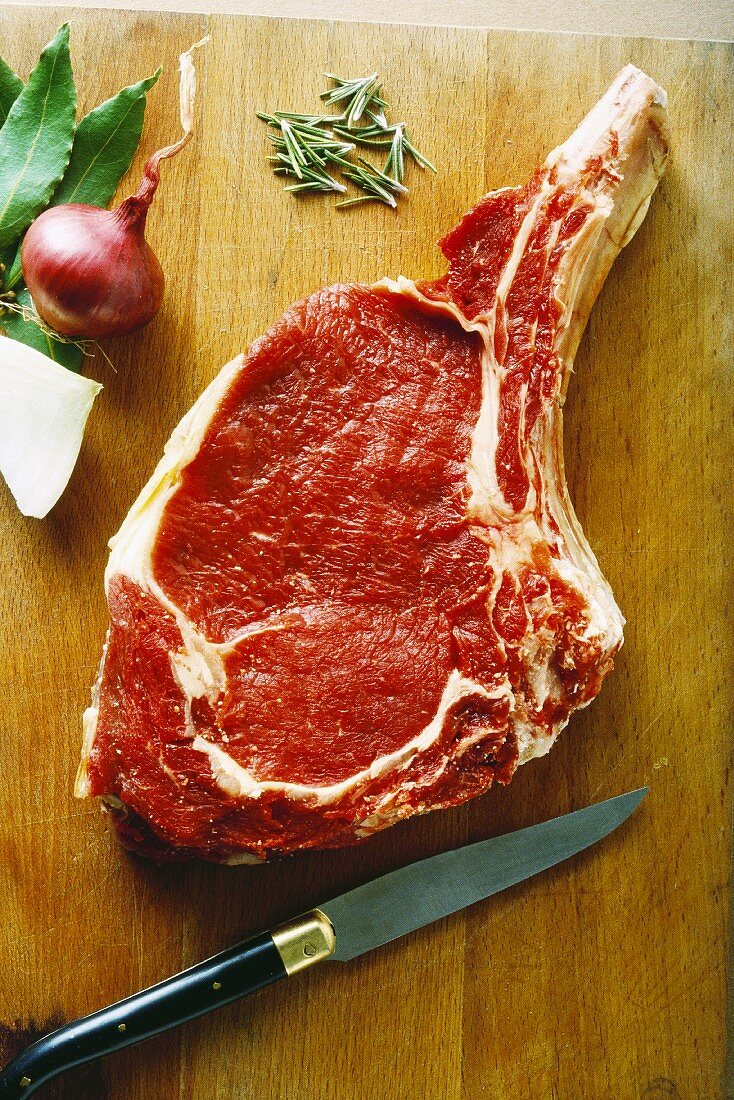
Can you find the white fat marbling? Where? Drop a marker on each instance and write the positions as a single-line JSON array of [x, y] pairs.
[[241, 783]]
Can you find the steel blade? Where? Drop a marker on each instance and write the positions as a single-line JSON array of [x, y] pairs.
[[423, 892]]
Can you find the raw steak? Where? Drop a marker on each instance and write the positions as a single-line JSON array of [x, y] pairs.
[[355, 589]]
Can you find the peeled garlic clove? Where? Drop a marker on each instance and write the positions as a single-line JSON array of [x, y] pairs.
[[43, 413]]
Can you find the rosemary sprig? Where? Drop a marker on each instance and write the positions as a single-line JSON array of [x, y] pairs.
[[378, 117], [420, 160], [374, 182], [341, 82], [376, 136], [304, 152], [318, 183], [294, 147], [389, 182], [306, 120], [357, 95], [395, 163], [355, 202], [307, 147], [313, 174], [365, 135]]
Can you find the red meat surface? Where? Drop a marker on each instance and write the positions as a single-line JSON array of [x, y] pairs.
[[355, 588]]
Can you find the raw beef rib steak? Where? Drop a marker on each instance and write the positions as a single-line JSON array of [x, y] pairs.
[[354, 588]]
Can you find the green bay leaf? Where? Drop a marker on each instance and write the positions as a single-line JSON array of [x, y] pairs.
[[13, 267], [18, 327], [36, 140], [104, 146], [10, 88]]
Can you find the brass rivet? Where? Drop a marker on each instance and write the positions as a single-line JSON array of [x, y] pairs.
[[122, 1027], [216, 985], [309, 949], [25, 1082]]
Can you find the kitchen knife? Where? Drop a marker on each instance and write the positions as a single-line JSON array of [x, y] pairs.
[[341, 929]]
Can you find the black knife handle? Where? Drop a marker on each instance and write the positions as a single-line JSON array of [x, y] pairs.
[[211, 984]]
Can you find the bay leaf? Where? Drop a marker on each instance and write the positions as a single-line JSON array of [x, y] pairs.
[[104, 146], [36, 140], [18, 327], [10, 88], [14, 269]]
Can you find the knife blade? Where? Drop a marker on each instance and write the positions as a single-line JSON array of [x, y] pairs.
[[340, 930], [423, 892]]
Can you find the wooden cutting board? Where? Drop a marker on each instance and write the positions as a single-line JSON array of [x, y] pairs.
[[603, 978]]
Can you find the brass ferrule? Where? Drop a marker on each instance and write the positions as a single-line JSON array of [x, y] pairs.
[[305, 940]]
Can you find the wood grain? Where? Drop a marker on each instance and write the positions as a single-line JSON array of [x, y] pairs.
[[603, 978]]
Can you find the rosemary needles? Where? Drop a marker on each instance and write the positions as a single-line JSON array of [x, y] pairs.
[[304, 151], [311, 151]]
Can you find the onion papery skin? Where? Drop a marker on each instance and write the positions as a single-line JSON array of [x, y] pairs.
[[91, 272]]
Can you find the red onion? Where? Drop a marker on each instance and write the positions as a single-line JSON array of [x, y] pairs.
[[91, 272]]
